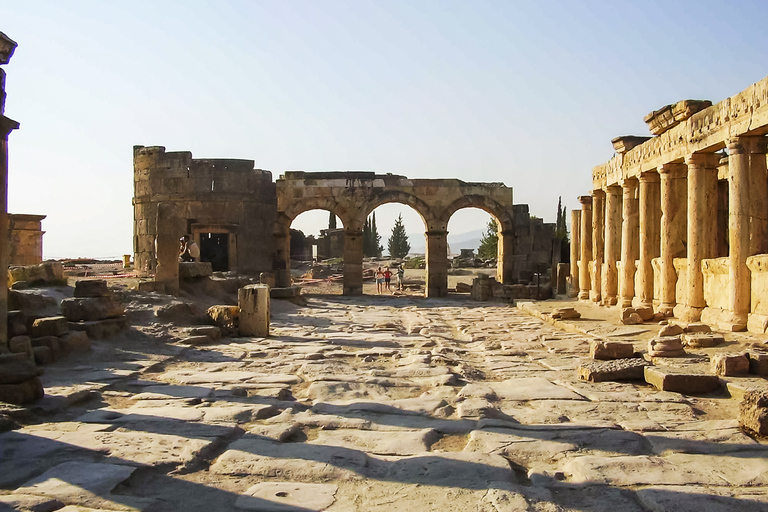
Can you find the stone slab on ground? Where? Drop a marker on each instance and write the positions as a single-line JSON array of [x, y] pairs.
[[531, 388], [68, 482], [287, 497], [604, 350], [615, 370], [401, 442], [680, 381], [695, 498]]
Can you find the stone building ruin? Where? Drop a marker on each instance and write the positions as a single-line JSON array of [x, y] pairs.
[[679, 221], [231, 208], [25, 239]]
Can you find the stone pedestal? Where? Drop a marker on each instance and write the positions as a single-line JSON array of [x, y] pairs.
[[650, 219], [575, 250], [353, 261], [437, 263], [612, 252], [585, 280], [702, 217], [673, 231], [630, 243], [598, 244], [253, 301]]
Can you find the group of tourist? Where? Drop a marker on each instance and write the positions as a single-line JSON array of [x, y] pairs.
[[384, 279]]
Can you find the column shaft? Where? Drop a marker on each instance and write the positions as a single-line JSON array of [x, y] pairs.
[[586, 246], [353, 261], [755, 148], [650, 219], [598, 242], [630, 246], [575, 250], [674, 194], [505, 267], [437, 263], [612, 253], [282, 261]]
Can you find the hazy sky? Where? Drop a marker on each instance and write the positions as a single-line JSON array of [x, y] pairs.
[[525, 93]]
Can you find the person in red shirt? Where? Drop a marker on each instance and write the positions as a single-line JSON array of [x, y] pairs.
[[387, 278]]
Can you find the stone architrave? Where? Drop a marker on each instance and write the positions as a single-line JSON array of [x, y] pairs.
[[612, 252], [170, 227], [650, 218], [598, 243], [673, 230], [702, 201], [629, 242], [586, 247], [575, 250], [254, 304], [436, 263], [353, 261]]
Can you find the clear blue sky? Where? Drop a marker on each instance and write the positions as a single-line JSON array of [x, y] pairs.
[[526, 93]]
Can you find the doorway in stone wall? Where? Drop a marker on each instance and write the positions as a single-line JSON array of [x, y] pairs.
[[214, 247]]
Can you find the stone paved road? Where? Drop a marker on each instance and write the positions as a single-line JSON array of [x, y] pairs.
[[372, 404]]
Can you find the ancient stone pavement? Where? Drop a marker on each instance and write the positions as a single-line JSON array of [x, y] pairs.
[[371, 404]]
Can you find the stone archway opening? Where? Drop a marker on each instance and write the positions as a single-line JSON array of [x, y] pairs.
[[473, 235], [316, 241]]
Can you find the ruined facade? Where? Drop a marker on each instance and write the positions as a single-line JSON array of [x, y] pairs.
[[226, 205], [679, 221], [25, 239]]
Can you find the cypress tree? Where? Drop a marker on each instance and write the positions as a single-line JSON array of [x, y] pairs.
[[398, 243]]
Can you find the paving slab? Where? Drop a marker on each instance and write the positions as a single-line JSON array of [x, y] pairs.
[[402, 442], [287, 497], [531, 388]]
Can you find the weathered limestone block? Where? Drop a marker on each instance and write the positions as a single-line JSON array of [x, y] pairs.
[[196, 340], [175, 311], [463, 288], [253, 301], [730, 364], [482, 288], [75, 341], [43, 273], [702, 340], [605, 350], [50, 326], [43, 355], [758, 363], [267, 278], [17, 323], [669, 379], [52, 342], [100, 329], [91, 308], [615, 370], [697, 327], [716, 278], [630, 317], [91, 288], [285, 292], [624, 143], [21, 345], [668, 346], [646, 313], [16, 369], [671, 330], [565, 314], [193, 269], [753, 412], [211, 331], [23, 392], [669, 116], [223, 316]]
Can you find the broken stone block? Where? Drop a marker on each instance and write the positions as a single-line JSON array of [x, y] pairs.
[[17, 323], [175, 311], [50, 326], [646, 313], [253, 301], [91, 288], [22, 392], [43, 355], [605, 350], [196, 340], [224, 316], [47, 272], [91, 308], [698, 328], [669, 379], [287, 292], [565, 314], [75, 341], [194, 269], [100, 329], [630, 317], [463, 287], [14, 370], [211, 331], [671, 330], [753, 412], [667, 346], [730, 364], [476, 408], [22, 345], [758, 362], [697, 340], [52, 342], [614, 370]]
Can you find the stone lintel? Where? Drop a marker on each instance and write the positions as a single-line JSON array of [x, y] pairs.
[[624, 143]]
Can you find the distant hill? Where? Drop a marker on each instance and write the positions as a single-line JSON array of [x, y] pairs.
[[468, 240]]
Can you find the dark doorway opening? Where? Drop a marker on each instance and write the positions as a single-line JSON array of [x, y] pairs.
[[214, 247]]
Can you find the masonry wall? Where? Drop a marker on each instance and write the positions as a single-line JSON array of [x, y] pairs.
[[535, 244], [25, 239], [211, 195]]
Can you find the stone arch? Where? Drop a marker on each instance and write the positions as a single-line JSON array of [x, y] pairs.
[[398, 196], [330, 204], [500, 212]]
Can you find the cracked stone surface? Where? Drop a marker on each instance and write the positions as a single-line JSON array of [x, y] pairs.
[[384, 403]]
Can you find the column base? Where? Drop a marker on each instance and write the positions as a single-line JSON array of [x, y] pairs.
[[666, 309], [595, 296], [625, 302], [584, 295], [735, 323], [610, 301], [693, 314]]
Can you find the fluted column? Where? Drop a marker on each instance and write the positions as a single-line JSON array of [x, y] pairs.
[[702, 218], [630, 243], [586, 246], [674, 232], [612, 252], [650, 220], [575, 251], [437, 263], [598, 242], [353, 261]]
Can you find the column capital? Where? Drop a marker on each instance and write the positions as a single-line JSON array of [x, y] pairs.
[[705, 160], [673, 170], [628, 184], [751, 144], [585, 200], [650, 176], [613, 190], [598, 192], [7, 125]]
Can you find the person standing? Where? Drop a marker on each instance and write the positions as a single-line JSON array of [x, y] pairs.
[[387, 279], [188, 250], [379, 281], [400, 274]]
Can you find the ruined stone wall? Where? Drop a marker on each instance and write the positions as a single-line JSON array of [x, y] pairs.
[[25, 239], [209, 195], [534, 241]]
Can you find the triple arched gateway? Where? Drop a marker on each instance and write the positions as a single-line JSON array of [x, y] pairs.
[[352, 196]]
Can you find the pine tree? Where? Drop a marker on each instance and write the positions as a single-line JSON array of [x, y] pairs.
[[376, 246], [490, 242], [561, 229], [398, 243], [332, 221]]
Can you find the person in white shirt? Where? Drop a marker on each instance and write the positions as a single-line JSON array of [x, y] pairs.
[[188, 250]]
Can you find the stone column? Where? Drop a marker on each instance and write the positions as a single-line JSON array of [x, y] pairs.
[[6, 127], [170, 227], [702, 216], [755, 148], [353, 261], [598, 243], [650, 219], [612, 252], [630, 242], [674, 203], [575, 250], [281, 263], [437, 263], [505, 259], [586, 246], [254, 304]]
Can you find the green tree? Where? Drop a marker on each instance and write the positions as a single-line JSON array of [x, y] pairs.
[[561, 229], [371, 238], [398, 243], [490, 242], [376, 246]]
